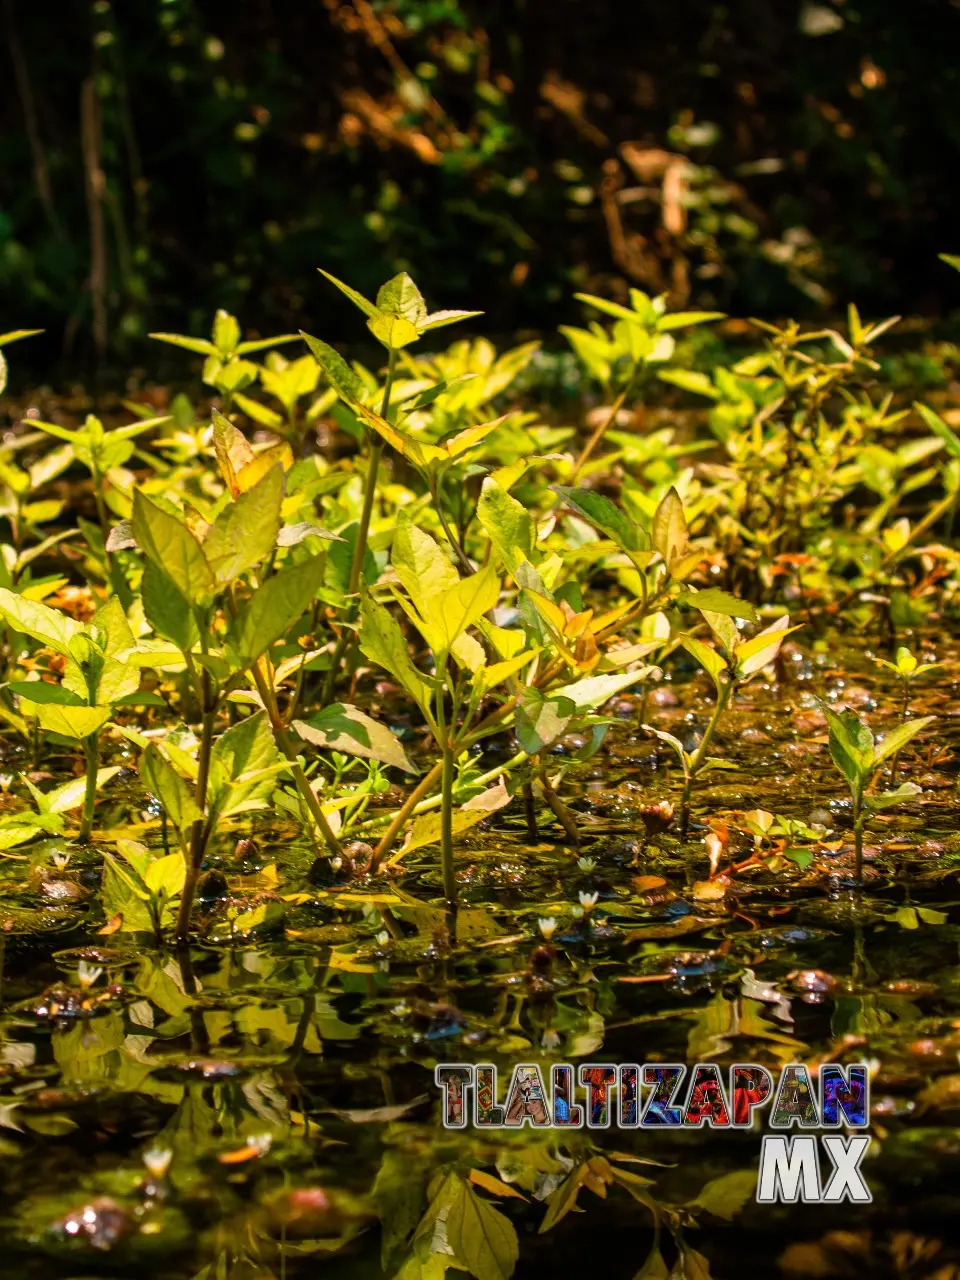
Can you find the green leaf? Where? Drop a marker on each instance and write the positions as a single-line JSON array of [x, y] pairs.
[[898, 738], [690, 1266], [53, 629], [437, 319], [508, 523], [244, 764], [725, 1196], [337, 372], [357, 299], [167, 875], [381, 640], [274, 608], [540, 719], [951, 259], [594, 691], [44, 693], [162, 781], [70, 795], [342, 727], [654, 1268], [669, 528], [401, 297], [480, 1237], [689, 380], [200, 345], [170, 545], [70, 722], [939, 428], [680, 319], [851, 744], [887, 799], [226, 332], [713, 600], [166, 609], [712, 662], [124, 893], [753, 655], [245, 532], [465, 604], [394, 332], [421, 565], [605, 516]]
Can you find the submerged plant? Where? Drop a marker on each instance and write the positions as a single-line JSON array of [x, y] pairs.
[[859, 757]]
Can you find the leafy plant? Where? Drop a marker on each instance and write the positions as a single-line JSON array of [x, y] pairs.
[[859, 758]]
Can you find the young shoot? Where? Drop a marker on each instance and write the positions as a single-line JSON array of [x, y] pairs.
[[859, 757]]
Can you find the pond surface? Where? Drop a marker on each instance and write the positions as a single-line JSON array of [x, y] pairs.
[[256, 1108]]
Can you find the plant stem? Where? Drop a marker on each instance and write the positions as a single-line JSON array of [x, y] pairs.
[[360, 550], [288, 747], [724, 695], [446, 826], [419, 792], [858, 820], [602, 429], [91, 750], [560, 810], [199, 835]]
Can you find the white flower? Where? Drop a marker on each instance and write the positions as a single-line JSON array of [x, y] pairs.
[[60, 860], [547, 926], [588, 900], [550, 1039], [587, 864], [87, 974], [383, 937], [577, 913], [157, 1160]]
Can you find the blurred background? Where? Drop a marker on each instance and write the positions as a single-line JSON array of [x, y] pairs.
[[162, 158]]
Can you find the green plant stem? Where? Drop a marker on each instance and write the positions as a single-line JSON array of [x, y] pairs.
[[288, 747], [446, 825], [409, 806], [724, 694], [91, 750], [859, 817], [200, 833], [360, 550], [559, 809]]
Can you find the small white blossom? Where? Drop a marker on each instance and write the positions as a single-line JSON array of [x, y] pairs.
[[547, 926], [87, 974], [588, 900], [587, 864], [550, 1039], [157, 1160], [383, 937]]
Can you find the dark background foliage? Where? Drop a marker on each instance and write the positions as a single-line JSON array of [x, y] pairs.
[[160, 158]]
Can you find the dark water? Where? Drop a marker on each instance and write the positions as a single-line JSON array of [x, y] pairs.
[[286, 1073]]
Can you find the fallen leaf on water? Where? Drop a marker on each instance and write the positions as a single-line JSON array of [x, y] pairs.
[[113, 926]]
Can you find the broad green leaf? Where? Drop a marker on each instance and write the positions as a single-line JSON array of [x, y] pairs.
[[245, 532], [111, 621], [167, 875], [421, 565], [44, 692], [654, 1268], [274, 608], [401, 297], [898, 738], [232, 448], [70, 722], [541, 719], [166, 609], [357, 299], [508, 523], [175, 794], [124, 894], [713, 600], [690, 1266], [51, 628], [465, 604], [243, 766], [669, 528], [479, 1236], [382, 641], [605, 516], [427, 829], [680, 319], [851, 744], [342, 727], [394, 332], [226, 332], [170, 545]]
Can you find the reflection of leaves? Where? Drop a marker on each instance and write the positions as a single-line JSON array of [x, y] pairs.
[[398, 1194]]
